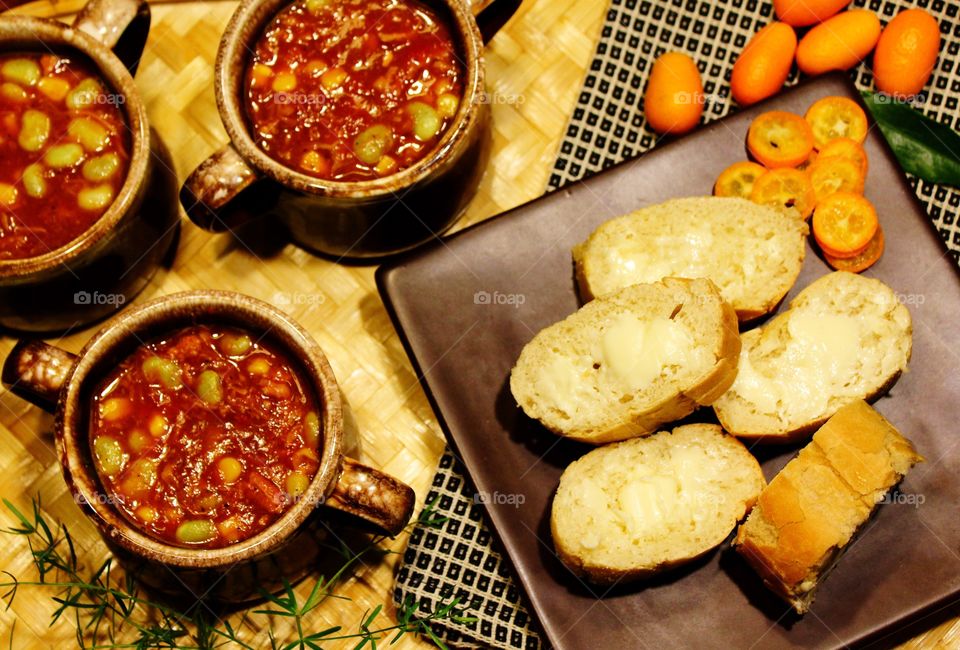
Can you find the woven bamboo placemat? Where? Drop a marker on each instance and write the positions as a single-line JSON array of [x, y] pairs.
[[535, 68]]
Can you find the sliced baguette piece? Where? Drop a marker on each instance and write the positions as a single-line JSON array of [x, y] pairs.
[[752, 252], [630, 361], [630, 509], [814, 507], [845, 337]]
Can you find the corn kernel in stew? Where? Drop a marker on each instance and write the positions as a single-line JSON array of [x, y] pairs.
[[115, 408], [54, 87], [8, 194], [138, 441], [147, 514], [258, 366], [285, 82], [158, 425], [297, 484], [333, 78], [230, 469], [13, 92], [311, 428], [139, 478], [448, 104]]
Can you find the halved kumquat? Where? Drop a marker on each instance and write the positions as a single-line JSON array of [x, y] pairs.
[[864, 260], [849, 150], [844, 223], [779, 139], [830, 175], [738, 179], [836, 117], [785, 188]]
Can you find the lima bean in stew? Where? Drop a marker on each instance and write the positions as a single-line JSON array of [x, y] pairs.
[[63, 151], [350, 90], [205, 437]]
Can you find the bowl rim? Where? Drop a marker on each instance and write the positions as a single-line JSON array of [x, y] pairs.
[[246, 25], [169, 313], [26, 32]]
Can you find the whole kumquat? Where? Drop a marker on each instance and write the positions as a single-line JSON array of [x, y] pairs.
[[763, 66], [844, 223], [848, 149], [801, 13], [838, 43], [673, 101], [906, 53], [836, 117], [738, 179], [779, 139], [785, 188]]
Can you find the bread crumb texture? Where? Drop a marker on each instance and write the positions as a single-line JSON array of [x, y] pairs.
[[814, 507], [632, 508], [753, 253], [845, 337]]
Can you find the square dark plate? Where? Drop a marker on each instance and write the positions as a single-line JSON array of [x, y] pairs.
[[466, 306]]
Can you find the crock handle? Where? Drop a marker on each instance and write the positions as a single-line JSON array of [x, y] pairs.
[[121, 25], [492, 15], [209, 194], [37, 371], [373, 496]]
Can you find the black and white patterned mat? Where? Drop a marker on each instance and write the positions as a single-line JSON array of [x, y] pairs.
[[461, 558]]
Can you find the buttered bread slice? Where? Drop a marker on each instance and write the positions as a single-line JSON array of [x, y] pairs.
[[630, 361], [630, 509], [844, 338], [752, 252]]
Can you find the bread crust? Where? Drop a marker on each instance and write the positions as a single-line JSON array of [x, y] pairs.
[[815, 507]]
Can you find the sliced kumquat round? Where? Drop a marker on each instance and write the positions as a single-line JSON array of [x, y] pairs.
[[738, 179], [849, 150], [836, 117], [844, 223], [830, 175], [779, 139], [864, 260], [809, 161], [785, 188]]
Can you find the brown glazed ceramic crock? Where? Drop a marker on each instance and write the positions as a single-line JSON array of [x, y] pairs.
[[106, 266], [369, 218], [55, 379]]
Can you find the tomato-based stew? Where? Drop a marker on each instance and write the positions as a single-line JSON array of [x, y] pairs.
[[205, 437], [351, 90], [63, 151]]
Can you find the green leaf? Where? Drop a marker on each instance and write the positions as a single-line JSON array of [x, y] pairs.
[[924, 147]]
